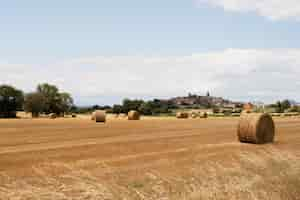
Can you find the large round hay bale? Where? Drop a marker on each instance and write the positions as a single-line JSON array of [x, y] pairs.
[[100, 116], [52, 115], [256, 128], [182, 115], [133, 115]]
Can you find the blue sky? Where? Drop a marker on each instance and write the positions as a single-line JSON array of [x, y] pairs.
[[195, 45]]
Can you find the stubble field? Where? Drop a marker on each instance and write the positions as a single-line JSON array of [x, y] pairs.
[[152, 158]]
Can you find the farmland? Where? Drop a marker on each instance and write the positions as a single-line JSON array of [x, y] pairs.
[[154, 158]]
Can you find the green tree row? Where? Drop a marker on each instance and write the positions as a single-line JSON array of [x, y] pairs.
[[46, 99], [154, 107], [281, 106]]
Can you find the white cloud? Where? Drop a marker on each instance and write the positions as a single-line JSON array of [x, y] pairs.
[[273, 9], [247, 74]]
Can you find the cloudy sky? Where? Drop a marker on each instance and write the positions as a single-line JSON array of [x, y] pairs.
[[104, 51]]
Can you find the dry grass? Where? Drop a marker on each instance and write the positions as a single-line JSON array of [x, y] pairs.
[[150, 159]]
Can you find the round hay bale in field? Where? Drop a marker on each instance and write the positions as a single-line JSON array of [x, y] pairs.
[[203, 115], [52, 115], [100, 116], [93, 117], [194, 115], [133, 115], [182, 115], [256, 128]]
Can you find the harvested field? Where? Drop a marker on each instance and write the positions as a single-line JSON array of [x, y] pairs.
[[148, 159]]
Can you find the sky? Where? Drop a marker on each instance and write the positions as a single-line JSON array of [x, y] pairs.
[[104, 51]]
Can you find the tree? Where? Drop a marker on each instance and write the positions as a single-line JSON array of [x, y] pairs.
[[281, 106], [11, 100], [155, 107], [129, 105], [35, 103], [285, 104], [65, 102], [55, 102], [52, 97], [117, 109], [96, 107], [146, 108]]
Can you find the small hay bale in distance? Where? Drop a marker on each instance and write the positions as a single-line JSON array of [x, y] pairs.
[[182, 115], [133, 115], [256, 128], [52, 116], [203, 115], [194, 115], [100, 116]]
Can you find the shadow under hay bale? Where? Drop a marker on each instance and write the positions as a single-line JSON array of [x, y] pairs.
[[133, 115], [182, 115], [256, 128], [99, 116]]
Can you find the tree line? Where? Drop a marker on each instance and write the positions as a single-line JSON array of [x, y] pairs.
[[48, 99], [45, 99], [153, 107]]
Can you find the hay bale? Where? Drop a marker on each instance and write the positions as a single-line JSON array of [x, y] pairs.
[[203, 115], [100, 116], [93, 117], [133, 115], [194, 115], [256, 128], [52, 116], [182, 115]]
